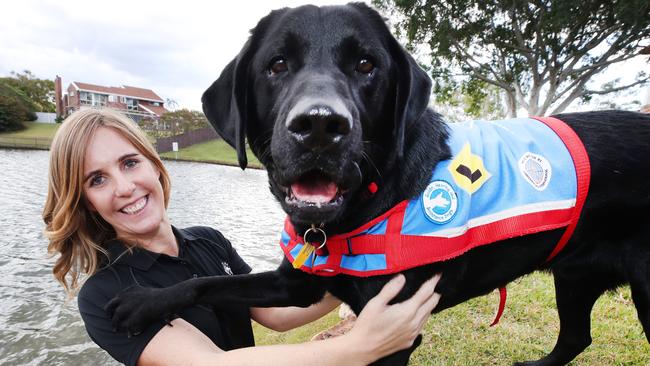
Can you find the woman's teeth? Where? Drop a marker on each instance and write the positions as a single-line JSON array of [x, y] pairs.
[[136, 207]]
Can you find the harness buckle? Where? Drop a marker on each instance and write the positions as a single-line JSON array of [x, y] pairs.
[[314, 230]]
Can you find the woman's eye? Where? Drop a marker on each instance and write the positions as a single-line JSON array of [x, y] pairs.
[[96, 180], [278, 65], [130, 163], [365, 66]]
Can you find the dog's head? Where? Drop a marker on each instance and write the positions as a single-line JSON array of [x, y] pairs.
[[325, 97]]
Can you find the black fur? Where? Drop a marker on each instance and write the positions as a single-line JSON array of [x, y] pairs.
[[376, 127]]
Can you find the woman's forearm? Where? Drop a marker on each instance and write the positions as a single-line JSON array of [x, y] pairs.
[[283, 319], [336, 351]]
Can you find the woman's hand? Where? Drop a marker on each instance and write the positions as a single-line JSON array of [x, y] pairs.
[[386, 329]]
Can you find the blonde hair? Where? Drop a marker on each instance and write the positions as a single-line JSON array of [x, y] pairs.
[[74, 231]]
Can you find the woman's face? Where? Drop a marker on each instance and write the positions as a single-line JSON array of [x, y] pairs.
[[123, 186]]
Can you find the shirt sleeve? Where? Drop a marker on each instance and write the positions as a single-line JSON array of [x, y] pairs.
[[236, 263], [93, 297]]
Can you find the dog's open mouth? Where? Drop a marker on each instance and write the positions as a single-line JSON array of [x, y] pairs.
[[314, 189]]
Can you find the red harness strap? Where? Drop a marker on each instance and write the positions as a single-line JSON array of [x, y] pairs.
[[583, 175]]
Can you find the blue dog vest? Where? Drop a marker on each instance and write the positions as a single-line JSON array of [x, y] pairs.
[[505, 179]]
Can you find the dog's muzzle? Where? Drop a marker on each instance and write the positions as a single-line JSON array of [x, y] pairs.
[[318, 125]]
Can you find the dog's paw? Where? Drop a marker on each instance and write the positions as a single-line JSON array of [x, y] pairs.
[[133, 309]]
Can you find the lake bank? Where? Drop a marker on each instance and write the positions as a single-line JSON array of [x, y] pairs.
[[38, 136]]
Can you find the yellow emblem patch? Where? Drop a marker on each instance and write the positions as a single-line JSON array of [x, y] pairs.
[[468, 170]]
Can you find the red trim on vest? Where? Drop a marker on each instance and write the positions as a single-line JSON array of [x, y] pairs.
[[583, 174], [398, 247]]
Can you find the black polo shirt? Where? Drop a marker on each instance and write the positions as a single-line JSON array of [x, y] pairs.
[[203, 251]]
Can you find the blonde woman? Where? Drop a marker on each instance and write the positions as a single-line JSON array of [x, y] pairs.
[[106, 219]]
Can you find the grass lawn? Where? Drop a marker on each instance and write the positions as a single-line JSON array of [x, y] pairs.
[[35, 129], [528, 330], [36, 135], [214, 151]]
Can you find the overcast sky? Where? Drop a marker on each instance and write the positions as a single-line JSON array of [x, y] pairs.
[[175, 48]]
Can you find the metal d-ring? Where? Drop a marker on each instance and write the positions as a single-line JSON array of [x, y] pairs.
[[316, 230]]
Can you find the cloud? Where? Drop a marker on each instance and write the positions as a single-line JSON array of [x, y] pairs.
[[175, 48]]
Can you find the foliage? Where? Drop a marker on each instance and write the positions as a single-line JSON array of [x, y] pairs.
[[176, 122], [39, 91], [15, 108], [12, 114], [541, 54], [474, 99]]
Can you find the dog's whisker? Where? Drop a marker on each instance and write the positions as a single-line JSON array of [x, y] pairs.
[[367, 158]]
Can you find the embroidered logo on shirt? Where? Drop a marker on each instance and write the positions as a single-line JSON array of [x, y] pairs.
[[536, 170], [440, 202], [468, 170], [226, 268]]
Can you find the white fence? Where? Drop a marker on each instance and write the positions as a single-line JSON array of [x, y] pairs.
[[45, 117]]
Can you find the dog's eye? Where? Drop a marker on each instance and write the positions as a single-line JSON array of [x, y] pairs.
[[277, 66], [365, 66]]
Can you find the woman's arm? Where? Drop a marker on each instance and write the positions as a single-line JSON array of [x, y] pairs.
[[379, 331], [283, 319]]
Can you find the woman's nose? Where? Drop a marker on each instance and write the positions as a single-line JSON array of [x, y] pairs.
[[123, 186]]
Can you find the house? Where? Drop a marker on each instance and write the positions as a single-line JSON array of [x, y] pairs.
[[137, 103]]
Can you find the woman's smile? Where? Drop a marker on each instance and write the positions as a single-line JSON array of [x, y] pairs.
[[136, 207]]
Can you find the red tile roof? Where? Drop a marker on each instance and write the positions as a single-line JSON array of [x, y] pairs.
[[157, 110], [127, 91]]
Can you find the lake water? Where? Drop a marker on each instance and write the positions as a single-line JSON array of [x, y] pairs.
[[37, 325]]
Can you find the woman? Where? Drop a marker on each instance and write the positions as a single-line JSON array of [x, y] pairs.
[[106, 216]]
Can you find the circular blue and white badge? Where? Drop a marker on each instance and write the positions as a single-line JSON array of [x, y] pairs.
[[440, 202]]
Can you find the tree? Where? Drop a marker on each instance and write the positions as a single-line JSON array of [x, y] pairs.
[[470, 100], [15, 108], [39, 91], [184, 120], [171, 104], [541, 54]]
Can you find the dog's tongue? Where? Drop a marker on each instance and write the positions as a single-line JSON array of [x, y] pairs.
[[315, 191]]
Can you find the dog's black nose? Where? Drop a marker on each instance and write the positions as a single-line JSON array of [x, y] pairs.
[[319, 127]]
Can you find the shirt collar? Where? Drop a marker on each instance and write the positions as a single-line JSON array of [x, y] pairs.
[[140, 258]]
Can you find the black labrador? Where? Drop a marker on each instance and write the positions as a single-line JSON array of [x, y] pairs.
[[331, 104]]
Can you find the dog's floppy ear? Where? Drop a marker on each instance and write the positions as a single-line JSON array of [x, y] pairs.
[[412, 95], [412, 83], [225, 102]]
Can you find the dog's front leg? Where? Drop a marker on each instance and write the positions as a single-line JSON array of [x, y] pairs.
[[137, 307]]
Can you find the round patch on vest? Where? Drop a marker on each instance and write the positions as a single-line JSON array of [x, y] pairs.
[[440, 202], [536, 170]]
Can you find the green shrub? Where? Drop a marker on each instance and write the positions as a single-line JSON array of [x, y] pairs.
[[31, 116], [12, 114]]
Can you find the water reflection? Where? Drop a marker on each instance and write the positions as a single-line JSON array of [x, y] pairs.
[[37, 325]]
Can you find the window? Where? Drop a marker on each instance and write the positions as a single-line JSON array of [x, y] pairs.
[[72, 93], [111, 98], [95, 100], [85, 98], [131, 104], [156, 104]]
